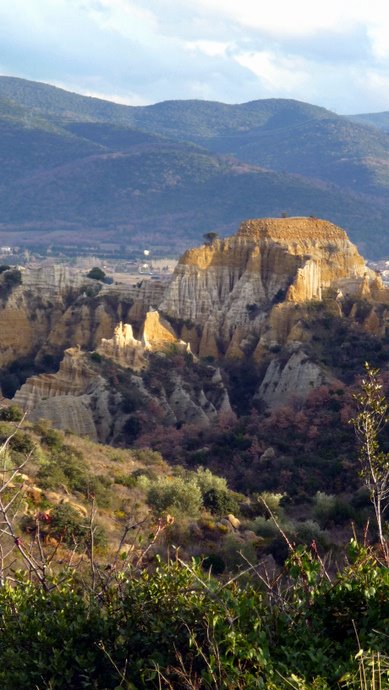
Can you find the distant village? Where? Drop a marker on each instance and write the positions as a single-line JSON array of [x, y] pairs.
[[117, 265]]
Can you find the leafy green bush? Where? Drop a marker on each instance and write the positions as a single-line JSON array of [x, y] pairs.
[[169, 493], [52, 438], [147, 456], [144, 472], [13, 413], [70, 527], [220, 502], [174, 627], [264, 528], [66, 467], [21, 443], [309, 531], [206, 480], [49, 639], [329, 508], [67, 524]]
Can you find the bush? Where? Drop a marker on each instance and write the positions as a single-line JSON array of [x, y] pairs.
[[96, 273], [331, 509], [220, 502], [59, 632], [206, 481], [309, 531], [67, 525], [144, 472], [21, 443], [273, 502], [148, 456], [169, 493], [11, 414], [52, 438], [65, 467], [264, 528]]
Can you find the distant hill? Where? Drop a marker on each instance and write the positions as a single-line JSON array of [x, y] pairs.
[[378, 120], [171, 171]]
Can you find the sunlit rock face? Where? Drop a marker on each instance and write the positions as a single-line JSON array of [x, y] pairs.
[[57, 307], [230, 287], [128, 352], [246, 296]]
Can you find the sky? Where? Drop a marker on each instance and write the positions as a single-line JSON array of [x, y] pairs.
[[332, 53]]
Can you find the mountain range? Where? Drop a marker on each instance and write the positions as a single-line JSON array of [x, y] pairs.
[[78, 171]]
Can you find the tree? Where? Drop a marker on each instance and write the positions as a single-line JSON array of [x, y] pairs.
[[96, 273], [371, 417], [210, 237]]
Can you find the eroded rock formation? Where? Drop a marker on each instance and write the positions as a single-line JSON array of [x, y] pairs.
[[230, 288], [247, 295], [56, 307]]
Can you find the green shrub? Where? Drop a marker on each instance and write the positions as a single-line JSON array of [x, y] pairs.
[[126, 480], [220, 502], [146, 456], [309, 531], [21, 443], [96, 273], [272, 500], [13, 413], [66, 467], [174, 492], [264, 528], [144, 472], [332, 509], [51, 640], [70, 527], [206, 481], [52, 438], [67, 524]]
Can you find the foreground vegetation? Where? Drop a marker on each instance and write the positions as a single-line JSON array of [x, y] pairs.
[[175, 626], [99, 589]]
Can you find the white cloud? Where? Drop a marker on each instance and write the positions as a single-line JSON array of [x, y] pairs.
[[125, 18], [284, 17], [210, 48], [276, 72], [335, 53]]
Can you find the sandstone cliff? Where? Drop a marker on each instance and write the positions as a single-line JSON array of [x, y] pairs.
[[230, 288], [56, 307], [247, 295], [126, 351]]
